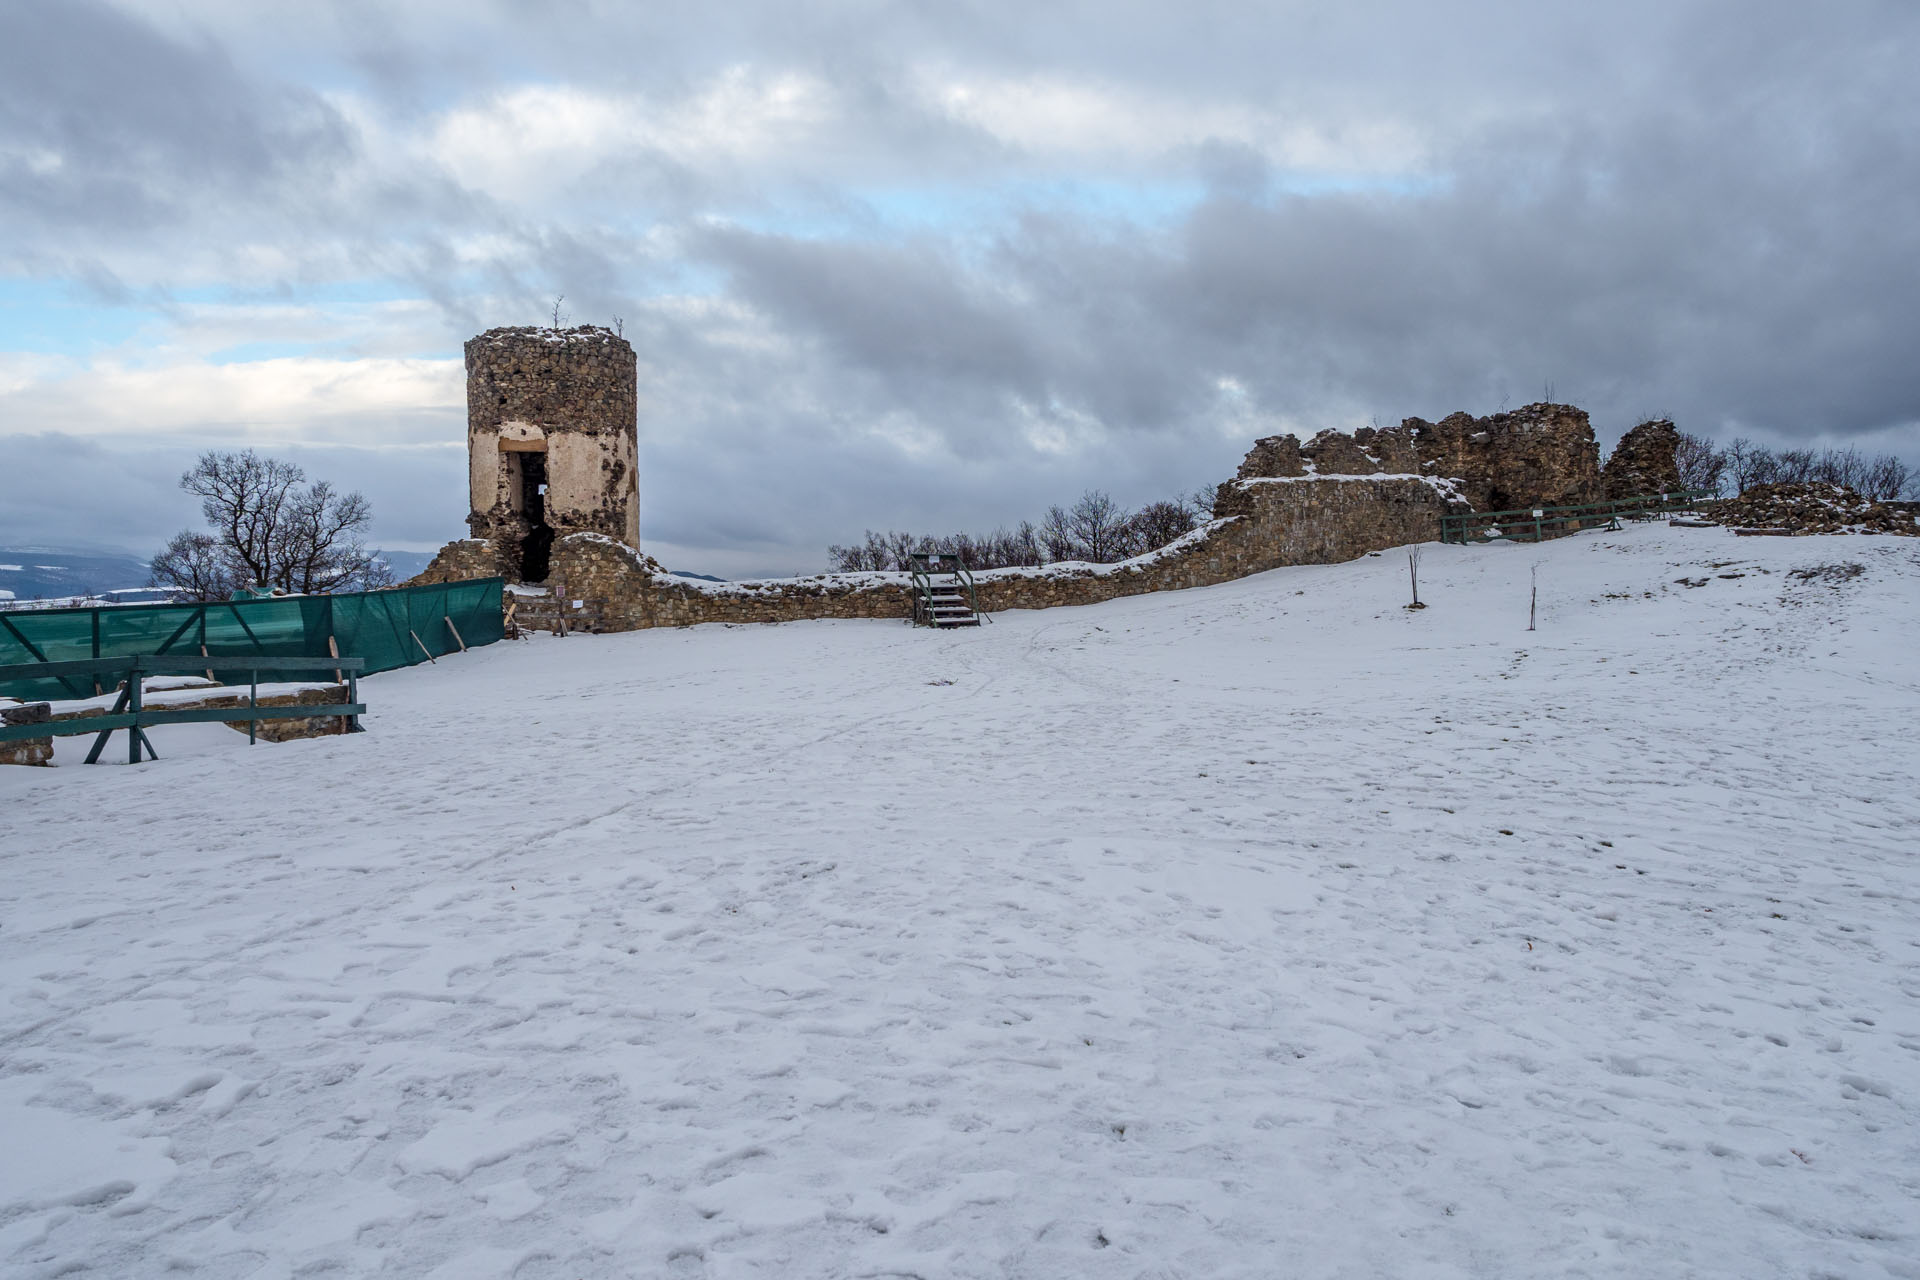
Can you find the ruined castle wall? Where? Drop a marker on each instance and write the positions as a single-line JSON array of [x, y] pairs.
[[1541, 456], [1645, 461], [464, 560], [1263, 524], [1367, 452]]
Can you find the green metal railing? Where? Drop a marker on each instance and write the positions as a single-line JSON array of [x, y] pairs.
[[925, 566], [130, 712], [1534, 524]]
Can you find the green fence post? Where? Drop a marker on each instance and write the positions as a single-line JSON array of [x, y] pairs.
[[133, 705]]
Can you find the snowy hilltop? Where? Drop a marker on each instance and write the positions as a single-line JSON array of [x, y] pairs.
[[1261, 928]]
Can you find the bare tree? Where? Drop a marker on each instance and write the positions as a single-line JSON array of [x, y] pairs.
[[1745, 463], [1701, 465], [1094, 528], [1879, 477], [244, 499], [1056, 536], [320, 548], [1158, 523], [196, 566], [268, 528], [1098, 526], [1026, 544], [1886, 478], [1795, 466]]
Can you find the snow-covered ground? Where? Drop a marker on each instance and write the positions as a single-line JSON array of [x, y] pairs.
[[1267, 929]]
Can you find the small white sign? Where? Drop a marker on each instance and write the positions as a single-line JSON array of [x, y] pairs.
[[1537, 513], [579, 604]]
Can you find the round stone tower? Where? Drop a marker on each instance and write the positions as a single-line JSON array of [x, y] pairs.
[[551, 442]]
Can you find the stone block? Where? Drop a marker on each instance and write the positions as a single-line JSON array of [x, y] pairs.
[[27, 751]]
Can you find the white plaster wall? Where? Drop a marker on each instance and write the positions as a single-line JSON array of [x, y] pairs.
[[484, 476], [577, 477]]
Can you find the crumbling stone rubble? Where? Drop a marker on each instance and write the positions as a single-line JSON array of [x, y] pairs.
[[1542, 455], [1367, 452], [33, 751], [1645, 461], [1813, 508]]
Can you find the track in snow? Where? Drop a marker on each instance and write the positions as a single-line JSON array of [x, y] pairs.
[[1260, 929]]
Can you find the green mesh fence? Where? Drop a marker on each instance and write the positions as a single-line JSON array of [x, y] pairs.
[[379, 626]]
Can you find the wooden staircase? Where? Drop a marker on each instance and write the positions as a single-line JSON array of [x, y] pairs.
[[942, 591]]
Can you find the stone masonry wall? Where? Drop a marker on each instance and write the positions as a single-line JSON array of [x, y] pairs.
[[1261, 523], [1332, 499], [31, 751], [466, 559], [1541, 456], [1366, 452], [566, 394], [1645, 461]]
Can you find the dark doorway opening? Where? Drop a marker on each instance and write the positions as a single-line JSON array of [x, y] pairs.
[[536, 549]]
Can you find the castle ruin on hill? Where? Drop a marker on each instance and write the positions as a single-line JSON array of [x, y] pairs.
[[551, 441]]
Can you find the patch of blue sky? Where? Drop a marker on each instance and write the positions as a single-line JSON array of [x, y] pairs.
[[681, 279], [1391, 184], [370, 291], [55, 317], [964, 209], [252, 352], [51, 316], [1146, 204]]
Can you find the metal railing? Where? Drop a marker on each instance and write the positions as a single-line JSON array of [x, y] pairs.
[[1534, 524], [130, 712], [924, 566]]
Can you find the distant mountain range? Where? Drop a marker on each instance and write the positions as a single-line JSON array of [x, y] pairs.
[[40, 573], [43, 573], [47, 573]]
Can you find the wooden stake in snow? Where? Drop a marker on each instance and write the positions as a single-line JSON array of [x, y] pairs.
[[333, 651], [1533, 602], [423, 647], [1413, 575], [456, 635]]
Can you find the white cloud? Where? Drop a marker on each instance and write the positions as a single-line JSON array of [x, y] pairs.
[[1087, 121], [527, 142], [370, 401]]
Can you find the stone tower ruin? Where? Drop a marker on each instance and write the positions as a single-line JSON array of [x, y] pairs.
[[551, 442]]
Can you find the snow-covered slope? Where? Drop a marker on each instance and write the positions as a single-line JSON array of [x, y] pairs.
[[1267, 929]]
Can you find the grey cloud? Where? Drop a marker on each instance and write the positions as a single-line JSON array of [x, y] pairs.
[[1747, 261], [125, 127], [1710, 210], [117, 493]]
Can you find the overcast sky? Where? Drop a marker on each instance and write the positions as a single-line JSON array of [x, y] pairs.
[[932, 265]]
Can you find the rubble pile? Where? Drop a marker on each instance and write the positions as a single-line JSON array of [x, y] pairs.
[[1813, 508]]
